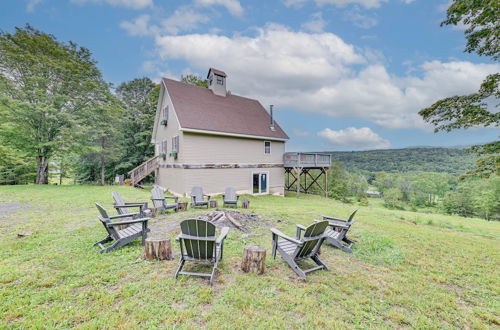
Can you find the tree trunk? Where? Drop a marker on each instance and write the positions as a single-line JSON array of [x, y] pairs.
[[254, 258], [42, 174], [157, 248]]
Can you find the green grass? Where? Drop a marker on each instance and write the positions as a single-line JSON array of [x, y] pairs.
[[407, 270]]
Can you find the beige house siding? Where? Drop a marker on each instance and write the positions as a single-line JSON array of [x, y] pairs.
[[210, 149], [168, 132], [172, 179], [215, 181]]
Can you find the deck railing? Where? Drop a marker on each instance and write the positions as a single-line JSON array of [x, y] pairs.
[[143, 170], [301, 159]]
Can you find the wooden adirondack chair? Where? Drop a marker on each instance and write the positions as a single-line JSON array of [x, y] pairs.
[[336, 234], [197, 197], [122, 207], [198, 243], [296, 249], [160, 201], [138, 228], [230, 197]]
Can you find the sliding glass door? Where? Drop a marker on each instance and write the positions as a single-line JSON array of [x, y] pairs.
[[260, 184]]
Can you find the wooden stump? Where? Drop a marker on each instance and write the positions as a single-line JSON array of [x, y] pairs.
[[245, 203], [182, 206], [213, 204], [254, 258], [157, 248]]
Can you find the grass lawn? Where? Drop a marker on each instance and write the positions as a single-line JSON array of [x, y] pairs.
[[407, 270]]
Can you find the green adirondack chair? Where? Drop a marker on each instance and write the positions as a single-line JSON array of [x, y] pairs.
[[230, 197], [336, 234], [295, 249], [138, 228], [123, 208], [161, 202], [197, 197], [198, 243]]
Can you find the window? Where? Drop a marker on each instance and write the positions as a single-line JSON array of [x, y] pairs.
[[175, 143], [267, 147], [220, 80], [163, 147], [164, 116]]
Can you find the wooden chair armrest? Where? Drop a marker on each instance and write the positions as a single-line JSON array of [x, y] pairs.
[[299, 230], [288, 238], [128, 222], [137, 204], [119, 216], [174, 198], [157, 199], [223, 233], [207, 196], [197, 238]]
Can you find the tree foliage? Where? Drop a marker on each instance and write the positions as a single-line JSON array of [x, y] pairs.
[[482, 21], [47, 89], [194, 80]]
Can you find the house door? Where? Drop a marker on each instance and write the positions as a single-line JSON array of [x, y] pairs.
[[260, 183]]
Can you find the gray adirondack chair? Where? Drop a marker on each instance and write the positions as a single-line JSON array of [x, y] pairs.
[[230, 197], [198, 197], [138, 228], [161, 202], [336, 234], [123, 208], [295, 249], [198, 243]]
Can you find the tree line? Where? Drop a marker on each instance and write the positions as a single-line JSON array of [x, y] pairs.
[[58, 114]]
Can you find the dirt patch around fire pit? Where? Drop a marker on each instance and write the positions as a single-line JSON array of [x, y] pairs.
[[231, 219]]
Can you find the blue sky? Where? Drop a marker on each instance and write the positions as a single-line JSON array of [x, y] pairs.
[[342, 74]]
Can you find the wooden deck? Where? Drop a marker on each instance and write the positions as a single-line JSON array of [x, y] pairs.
[[301, 166], [306, 160]]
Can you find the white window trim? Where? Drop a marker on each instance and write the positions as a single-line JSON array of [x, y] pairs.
[[251, 183]]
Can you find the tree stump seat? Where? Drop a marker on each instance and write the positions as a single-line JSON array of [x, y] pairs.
[[254, 258], [157, 248]]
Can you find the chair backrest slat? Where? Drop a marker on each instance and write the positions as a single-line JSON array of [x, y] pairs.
[[199, 249], [197, 192], [119, 202], [156, 192], [230, 194], [105, 220], [312, 238]]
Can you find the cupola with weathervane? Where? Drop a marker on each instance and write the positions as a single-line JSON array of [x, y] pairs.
[[217, 82]]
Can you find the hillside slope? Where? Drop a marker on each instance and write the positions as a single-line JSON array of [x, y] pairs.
[[448, 160]]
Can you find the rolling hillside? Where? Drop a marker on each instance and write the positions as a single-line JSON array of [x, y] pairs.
[[427, 159]]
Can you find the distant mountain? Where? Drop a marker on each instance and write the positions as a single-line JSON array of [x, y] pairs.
[[427, 159]]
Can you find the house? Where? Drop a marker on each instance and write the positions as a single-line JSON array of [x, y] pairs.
[[211, 138]]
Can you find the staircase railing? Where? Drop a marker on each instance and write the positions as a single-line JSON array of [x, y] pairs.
[[143, 170]]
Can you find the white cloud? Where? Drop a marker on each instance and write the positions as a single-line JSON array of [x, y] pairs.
[[294, 3], [316, 24], [233, 6], [183, 19], [360, 138], [138, 27], [30, 7], [320, 73], [132, 4], [358, 19], [300, 132]]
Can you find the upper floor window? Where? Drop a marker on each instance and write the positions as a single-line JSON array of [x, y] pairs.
[[220, 80], [164, 116], [267, 147]]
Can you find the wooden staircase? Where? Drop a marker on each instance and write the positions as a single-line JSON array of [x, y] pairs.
[[143, 170]]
